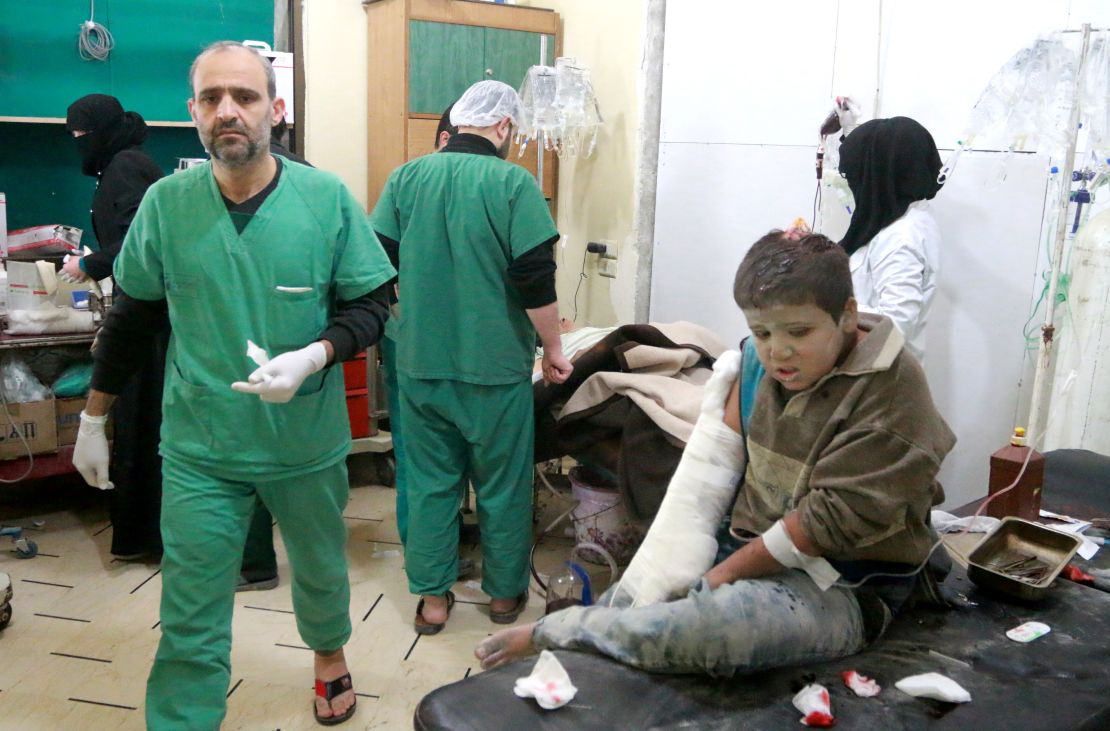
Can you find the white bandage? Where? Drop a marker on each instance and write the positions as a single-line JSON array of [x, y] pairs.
[[778, 543], [682, 542]]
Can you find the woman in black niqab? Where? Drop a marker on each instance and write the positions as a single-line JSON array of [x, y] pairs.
[[110, 143], [889, 164]]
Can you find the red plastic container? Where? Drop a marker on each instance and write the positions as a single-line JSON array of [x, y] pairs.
[[354, 372], [358, 412]]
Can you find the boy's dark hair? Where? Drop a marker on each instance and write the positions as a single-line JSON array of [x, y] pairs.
[[445, 124], [780, 270]]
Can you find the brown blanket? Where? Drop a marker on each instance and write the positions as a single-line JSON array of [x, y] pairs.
[[629, 407]]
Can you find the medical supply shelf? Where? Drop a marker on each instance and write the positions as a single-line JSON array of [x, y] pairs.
[[44, 465], [15, 342]]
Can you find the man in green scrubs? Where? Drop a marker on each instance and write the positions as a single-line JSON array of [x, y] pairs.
[[473, 240], [244, 248], [444, 131]]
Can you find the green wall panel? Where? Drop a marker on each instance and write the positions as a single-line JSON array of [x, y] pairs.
[[40, 172], [444, 59], [510, 53], [156, 40], [40, 71]]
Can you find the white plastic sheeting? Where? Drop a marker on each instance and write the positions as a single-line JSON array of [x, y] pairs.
[[1080, 401]]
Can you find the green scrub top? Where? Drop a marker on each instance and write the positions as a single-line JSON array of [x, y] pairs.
[[277, 283], [460, 219]]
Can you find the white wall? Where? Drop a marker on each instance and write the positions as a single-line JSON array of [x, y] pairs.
[[745, 88], [335, 90], [596, 193]]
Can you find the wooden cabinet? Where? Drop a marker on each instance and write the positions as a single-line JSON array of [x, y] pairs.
[[423, 54], [444, 59]]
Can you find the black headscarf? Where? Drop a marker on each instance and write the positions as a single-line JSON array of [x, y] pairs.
[[889, 164], [109, 128]]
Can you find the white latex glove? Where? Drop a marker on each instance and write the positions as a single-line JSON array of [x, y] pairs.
[[277, 380], [90, 453], [71, 270]]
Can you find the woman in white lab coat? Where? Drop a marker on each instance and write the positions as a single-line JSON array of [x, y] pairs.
[[893, 241]]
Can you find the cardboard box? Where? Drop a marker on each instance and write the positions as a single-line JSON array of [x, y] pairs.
[[29, 243], [68, 418], [26, 288], [36, 422]]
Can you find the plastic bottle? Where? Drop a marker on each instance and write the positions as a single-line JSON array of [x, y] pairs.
[[570, 588], [1024, 500]]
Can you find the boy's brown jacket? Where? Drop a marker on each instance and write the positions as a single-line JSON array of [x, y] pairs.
[[856, 454]]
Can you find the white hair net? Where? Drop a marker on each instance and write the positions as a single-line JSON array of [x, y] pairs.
[[487, 103]]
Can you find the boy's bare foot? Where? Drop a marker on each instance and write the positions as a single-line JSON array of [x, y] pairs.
[[329, 666], [506, 646]]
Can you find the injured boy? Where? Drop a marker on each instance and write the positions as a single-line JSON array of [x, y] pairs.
[[829, 533]]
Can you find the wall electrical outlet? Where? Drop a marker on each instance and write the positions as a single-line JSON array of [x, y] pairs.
[[610, 249]]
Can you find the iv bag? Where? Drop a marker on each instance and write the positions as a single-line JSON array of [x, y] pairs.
[[560, 109], [1027, 103], [1094, 95]]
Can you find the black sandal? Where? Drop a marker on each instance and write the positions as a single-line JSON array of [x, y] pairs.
[[329, 689], [422, 626], [510, 616]]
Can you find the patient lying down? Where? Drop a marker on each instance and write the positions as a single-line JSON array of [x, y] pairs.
[[843, 448]]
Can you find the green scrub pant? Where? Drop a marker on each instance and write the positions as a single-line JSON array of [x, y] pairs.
[[400, 479], [204, 525], [393, 402], [458, 433]]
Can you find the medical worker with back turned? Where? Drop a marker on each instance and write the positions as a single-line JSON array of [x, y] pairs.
[[248, 247], [893, 240], [474, 242]]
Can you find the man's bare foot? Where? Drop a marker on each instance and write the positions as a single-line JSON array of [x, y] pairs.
[[506, 645], [435, 609], [501, 606], [329, 666]]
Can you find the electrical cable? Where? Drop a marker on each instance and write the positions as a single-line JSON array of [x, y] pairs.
[[581, 276], [966, 528], [94, 41], [574, 503], [816, 197]]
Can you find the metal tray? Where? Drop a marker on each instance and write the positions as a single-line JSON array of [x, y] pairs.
[[1020, 558]]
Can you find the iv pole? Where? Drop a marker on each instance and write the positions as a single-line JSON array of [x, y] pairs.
[[541, 142], [1048, 329]]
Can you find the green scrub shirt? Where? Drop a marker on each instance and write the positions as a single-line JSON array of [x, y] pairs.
[[276, 284], [460, 219]]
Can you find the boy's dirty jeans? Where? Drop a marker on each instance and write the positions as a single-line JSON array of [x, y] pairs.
[[748, 625]]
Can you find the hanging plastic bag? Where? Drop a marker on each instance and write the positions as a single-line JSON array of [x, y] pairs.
[[19, 384], [560, 109]]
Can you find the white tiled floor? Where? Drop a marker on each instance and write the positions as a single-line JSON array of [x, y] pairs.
[[84, 629]]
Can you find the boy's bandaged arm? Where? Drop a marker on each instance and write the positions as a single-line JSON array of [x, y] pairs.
[[754, 559]]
